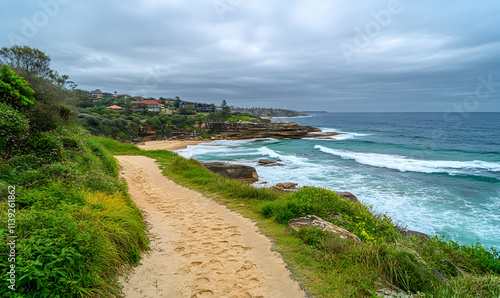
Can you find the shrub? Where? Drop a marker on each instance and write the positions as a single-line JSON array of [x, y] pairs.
[[42, 117], [14, 90], [64, 112], [13, 130]]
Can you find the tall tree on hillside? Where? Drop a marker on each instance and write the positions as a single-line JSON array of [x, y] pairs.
[[28, 60]]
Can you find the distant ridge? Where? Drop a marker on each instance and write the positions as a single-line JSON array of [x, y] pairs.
[[314, 112]]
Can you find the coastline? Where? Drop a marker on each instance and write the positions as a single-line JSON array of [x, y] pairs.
[[170, 144], [284, 117]]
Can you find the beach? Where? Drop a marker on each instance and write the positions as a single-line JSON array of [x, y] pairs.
[[170, 144]]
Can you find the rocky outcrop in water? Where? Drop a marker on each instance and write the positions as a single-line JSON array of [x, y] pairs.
[[253, 129], [269, 163], [246, 174], [236, 130]]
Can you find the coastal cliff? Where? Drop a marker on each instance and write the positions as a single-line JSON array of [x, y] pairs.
[[238, 130]]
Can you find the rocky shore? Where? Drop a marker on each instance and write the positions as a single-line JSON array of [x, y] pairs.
[[267, 129], [239, 130]]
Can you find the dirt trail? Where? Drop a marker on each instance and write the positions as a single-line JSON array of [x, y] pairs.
[[199, 247]]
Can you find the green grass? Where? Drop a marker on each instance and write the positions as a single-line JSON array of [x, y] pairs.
[[328, 266], [77, 228], [237, 118]]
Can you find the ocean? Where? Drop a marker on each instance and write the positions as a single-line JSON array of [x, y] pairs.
[[430, 172]]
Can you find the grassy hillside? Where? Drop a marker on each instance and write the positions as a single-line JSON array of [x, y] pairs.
[[75, 225], [328, 266]]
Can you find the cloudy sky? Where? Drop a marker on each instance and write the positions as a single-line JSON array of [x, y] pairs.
[[339, 56]]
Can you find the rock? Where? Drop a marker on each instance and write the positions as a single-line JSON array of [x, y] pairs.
[[439, 275], [409, 233], [246, 174], [391, 293], [254, 129], [269, 163], [286, 186], [347, 195], [313, 220]]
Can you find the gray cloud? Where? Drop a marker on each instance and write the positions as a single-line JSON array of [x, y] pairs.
[[422, 56]]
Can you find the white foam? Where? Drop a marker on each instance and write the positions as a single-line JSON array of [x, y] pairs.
[[349, 135], [342, 136], [289, 160], [405, 164]]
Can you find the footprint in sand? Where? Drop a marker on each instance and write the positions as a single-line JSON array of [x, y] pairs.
[[203, 293], [201, 281]]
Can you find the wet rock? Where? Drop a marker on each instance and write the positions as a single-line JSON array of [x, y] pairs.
[[313, 220], [269, 163], [243, 173]]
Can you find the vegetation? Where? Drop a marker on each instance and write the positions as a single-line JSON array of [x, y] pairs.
[[268, 112], [13, 89], [329, 266], [130, 126], [76, 227]]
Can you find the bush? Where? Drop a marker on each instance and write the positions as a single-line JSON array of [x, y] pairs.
[[355, 217], [14, 90], [42, 117], [73, 237], [13, 130]]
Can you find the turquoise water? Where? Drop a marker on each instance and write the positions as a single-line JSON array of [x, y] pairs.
[[428, 173]]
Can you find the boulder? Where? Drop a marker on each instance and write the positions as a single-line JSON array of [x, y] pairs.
[[313, 220], [409, 233], [286, 186], [246, 174], [347, 195], [269, 163]]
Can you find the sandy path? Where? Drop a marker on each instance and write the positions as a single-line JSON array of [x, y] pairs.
[[170, 145], [199, 247]]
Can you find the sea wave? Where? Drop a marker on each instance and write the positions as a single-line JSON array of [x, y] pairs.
[[289, 160], [341, 136], [405, 164]]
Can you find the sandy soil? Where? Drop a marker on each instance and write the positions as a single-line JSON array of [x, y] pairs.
[[170, 145], [199, 247]]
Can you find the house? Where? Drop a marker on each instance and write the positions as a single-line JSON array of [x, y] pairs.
[[86, 92], [96, 94], [152, 105], [169, 101], [205, 108], [124, 96], [186, 103], [107, 95], [115, 108]]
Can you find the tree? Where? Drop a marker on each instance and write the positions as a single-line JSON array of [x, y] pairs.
[[14, 90], [82, 99], [226, 111], [188, 110], [30, 61], [177, 102]]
